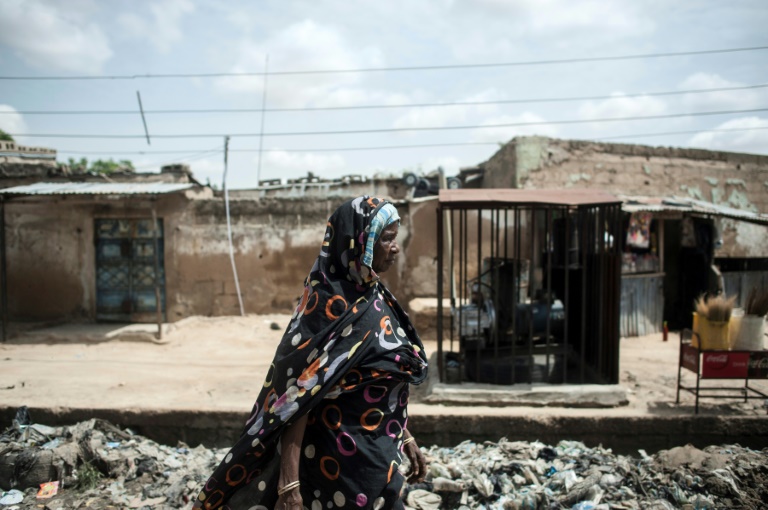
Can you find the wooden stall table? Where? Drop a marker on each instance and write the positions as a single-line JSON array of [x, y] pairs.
[[720, 364]]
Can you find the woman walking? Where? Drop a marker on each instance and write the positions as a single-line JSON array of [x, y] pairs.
[[329, 428]]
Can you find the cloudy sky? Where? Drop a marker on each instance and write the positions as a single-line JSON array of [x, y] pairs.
[[415, 84]]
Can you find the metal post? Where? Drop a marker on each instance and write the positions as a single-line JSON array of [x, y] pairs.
[[158, 302], [440, 365], [3, 271]]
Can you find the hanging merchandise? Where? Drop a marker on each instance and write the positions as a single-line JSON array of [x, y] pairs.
[[639, 231], [688, 235]]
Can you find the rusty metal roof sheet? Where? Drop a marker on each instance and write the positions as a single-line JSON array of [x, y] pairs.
[[564, 197], [691, 206], [96, 188]]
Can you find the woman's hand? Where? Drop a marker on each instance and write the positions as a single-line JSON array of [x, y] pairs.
[[418, 469], [291, 500]]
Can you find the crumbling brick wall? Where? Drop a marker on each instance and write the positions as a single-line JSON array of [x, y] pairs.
[[722, 178]]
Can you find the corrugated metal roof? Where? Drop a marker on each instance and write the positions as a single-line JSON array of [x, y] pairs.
[[570, 197], [96, 188], [689, 205]]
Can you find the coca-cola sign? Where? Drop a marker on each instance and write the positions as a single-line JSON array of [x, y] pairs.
[[725, 365], [690, 358], [758, 365]]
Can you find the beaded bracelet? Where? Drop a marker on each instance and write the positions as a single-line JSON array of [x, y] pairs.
[[288, 487]]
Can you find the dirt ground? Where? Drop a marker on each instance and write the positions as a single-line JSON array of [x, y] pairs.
[[219, 363]]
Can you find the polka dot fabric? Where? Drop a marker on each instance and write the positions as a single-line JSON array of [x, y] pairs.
[[346, 360]]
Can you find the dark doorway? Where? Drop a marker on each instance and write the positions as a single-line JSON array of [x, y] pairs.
[[125, 270]]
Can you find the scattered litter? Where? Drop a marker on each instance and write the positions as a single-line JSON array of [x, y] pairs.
[[94, 464], [11, 497], [48, 490], [570, 475]]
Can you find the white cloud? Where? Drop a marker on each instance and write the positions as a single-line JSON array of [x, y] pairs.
[[620, 105], [11, 122], [509, 27], [563, 15], [750, 135], [47, 37], [161, 27], [437, 116], [450, 164], [289, 165], [504, 134], [722, 100], [302, 46], [209, 170]]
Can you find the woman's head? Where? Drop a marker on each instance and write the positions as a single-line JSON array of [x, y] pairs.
[[359, 241]]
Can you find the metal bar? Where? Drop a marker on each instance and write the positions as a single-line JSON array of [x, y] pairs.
[[465, 289], [698, 378], [549, 297], [3, 269], [599, 243], [452, 277], [679, 367], [479, 240], [531, 258], [440, 254], [495, 275], [566, 272], [583, 239], [158, 302], [516, 270], [616, 290], [512, 311]]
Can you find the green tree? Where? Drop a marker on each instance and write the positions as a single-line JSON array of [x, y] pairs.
[[81, 165], [101, 166], [5, 137]]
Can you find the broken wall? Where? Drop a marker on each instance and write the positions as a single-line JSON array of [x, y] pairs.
[[51, 258], [51, 255], [722, 178]]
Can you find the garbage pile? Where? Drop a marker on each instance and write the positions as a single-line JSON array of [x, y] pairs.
[[96, 465], [531, 475]]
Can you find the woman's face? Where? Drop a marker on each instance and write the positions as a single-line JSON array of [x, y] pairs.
[[386, 249]]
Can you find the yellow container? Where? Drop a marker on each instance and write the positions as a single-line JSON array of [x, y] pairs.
[[695, 338], [714, 335]]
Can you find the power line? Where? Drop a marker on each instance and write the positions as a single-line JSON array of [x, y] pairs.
[[339, 149], [410, 146], [387, 106], [399, 130], [689, 132], [393, 69]]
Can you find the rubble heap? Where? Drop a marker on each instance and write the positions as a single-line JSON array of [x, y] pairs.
[[100, 466], [532, 475]]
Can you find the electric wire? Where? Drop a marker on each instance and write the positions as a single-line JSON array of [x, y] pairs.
[[388, 106], [394, 69], [401, 129], [213, 152]]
